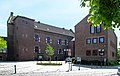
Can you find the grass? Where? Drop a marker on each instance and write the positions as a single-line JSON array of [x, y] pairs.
[[48, 63]]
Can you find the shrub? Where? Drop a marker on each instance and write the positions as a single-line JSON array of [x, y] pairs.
[[113, 63]]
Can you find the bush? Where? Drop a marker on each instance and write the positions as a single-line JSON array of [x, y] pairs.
[[49, 63], [113, 63]]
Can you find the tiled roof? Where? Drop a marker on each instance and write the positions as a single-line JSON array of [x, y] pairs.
[[53, 29], [12, 18], [45, 27]]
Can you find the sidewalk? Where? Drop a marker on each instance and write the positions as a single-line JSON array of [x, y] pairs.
[[31, 69]]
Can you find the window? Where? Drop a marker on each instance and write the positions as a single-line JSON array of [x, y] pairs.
[[39, 50], [37, 38], [23, 21], [36, 49], [88, 41], [92, 29], [101, 53], [95, 52], [48, 40], [60, 51], [59, 41], [88, 53], [63, 42], [94, 40], [112, 54], [101, 40], [98, 29], [66, 42]]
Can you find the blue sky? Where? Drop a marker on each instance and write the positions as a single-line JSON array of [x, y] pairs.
[[60, 13]]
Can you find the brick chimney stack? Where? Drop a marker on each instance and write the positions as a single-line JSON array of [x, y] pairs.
[[11, 13]]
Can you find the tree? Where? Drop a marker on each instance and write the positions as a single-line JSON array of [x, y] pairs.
[[118, 53], [105, 12], [2, 44], [50, 51]]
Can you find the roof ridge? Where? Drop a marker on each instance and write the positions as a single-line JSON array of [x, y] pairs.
[[54, 26]]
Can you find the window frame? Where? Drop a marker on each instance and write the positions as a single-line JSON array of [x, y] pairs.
[[100, 40], [88, 52], [97, 29], [87, 41], [66, 41], [113, 54], [91, 29], [93, 52], [37, 40], [96, 40], [60, 51], [60, 41], [48, 40], [35, 49]]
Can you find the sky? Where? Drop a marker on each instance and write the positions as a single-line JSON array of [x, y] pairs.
[[60, 13]]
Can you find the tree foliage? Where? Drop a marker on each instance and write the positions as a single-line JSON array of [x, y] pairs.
[[49, 50], [118, 53], [106, 12], [2, 44]]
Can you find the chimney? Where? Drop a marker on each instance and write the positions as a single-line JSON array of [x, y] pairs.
[[11, 13], [71, 30], [38, 21]]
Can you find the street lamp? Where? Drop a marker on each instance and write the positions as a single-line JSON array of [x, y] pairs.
[[101, 53]]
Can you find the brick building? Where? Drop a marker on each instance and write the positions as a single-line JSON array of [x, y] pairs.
[[27, 39], [93, 44]]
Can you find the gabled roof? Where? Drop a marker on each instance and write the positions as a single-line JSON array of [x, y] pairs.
[[85, 18], [12, 18], [23, 17], [53, 29], [44, 27]]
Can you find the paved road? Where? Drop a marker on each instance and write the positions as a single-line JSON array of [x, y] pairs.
[[31, 69]]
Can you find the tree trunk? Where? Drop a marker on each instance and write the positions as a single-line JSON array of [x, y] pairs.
[[50, 59]]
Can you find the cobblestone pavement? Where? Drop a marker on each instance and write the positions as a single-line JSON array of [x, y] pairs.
[[31, 69]]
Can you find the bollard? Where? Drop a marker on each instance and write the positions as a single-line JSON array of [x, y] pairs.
[[79, 67], [15, 69], [71, 67]]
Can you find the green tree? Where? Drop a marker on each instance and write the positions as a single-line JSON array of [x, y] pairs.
[[106, 12], [118, 53], [2, 44], [50, 51]]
